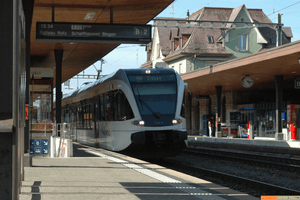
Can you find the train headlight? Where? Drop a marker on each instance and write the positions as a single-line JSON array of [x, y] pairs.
[[148, 71], [135, 122], [176, 121], [138, 122]]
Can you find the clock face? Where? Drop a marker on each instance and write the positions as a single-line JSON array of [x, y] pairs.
[[247, 81]]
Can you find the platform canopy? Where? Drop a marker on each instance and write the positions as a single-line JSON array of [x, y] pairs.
[[79, 56], [262, 66]]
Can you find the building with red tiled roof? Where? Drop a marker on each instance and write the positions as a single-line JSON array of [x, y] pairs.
[[188, 49]]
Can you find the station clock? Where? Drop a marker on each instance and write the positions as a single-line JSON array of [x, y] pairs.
[[247, 81]]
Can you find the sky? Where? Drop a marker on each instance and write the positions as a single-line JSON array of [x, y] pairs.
[[133, 56]]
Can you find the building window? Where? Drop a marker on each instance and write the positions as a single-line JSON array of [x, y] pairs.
[[176, 43], [185, 38], [242, 19], [182, 68], [210, 39], [271, 41], [242, 43]]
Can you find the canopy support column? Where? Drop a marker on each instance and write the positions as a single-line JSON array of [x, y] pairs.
[[58, 78]]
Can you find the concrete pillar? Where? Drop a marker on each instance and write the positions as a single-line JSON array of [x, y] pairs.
[[278, 85], [58, 61], [12, 102], [189, 99], [28, 11], [203, 111], [218, 132]]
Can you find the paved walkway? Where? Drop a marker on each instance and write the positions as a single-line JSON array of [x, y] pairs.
[[102, 176]]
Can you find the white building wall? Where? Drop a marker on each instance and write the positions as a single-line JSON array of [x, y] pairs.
[[156, 54], [179, 66]]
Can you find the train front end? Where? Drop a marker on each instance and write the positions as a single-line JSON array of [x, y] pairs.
[[159, 95]]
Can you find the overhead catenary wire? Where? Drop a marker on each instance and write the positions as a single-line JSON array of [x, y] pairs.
[[286, 14], [283, 8], [124, 56], [102, 10]]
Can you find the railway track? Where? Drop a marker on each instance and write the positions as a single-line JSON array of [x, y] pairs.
[[248, 184], [262, 160]]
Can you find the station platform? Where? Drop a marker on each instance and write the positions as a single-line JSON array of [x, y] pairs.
[[95, 173], [262, 144]]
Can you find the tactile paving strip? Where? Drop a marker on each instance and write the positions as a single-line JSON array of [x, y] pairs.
[[197, 192]]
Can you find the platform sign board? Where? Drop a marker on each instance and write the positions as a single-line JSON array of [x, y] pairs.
[[92, 33], [35, 142], [44, 142], [40, 88], [39, 146], [38, 72], [45, 150], [297, 83]]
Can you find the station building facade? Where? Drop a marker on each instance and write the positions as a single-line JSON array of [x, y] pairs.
[[238, 109], [273, 71]]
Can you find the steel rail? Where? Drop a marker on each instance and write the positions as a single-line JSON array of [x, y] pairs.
[[282, 163], [274, 189]]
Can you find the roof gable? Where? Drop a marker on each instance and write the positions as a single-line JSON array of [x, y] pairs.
[[234, 15], [198, 42], [287, 31]]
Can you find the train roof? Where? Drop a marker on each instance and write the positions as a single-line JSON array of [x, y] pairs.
[[88, 85], [153, 71], [126, 71]]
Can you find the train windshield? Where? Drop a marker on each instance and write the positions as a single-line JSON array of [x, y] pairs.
[[156, 95]]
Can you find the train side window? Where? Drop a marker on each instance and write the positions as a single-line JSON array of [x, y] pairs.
[[91, 115], [88, 116], [110, 106], [114, 101], [72, 114], [114, 106], [116, 97], [126, 112], [182, 112], [85, 117], [98, 109], [102, 116], [119, 105], [79, 117], [106, 106]]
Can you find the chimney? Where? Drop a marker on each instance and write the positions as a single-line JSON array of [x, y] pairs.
[[278, 31]]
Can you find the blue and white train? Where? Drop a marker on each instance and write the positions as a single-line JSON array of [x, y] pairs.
[[137, 111]]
